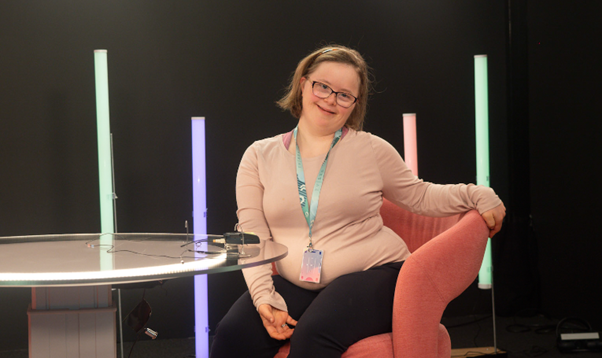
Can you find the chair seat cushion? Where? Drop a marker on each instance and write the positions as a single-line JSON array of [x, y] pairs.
[[381, 346], [376, 346]]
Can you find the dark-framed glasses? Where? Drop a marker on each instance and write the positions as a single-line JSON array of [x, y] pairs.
[[323, 91]]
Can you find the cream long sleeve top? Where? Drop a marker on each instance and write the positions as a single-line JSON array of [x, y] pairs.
[[362, 169]]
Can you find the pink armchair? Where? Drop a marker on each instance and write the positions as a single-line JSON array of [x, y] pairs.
[[446, 257]]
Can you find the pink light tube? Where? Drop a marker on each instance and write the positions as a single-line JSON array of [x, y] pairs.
[[410, 147]]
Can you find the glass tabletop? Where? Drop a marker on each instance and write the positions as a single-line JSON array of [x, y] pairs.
[[92, 259]]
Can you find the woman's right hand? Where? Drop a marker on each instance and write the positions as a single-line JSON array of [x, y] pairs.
[[276, 322]]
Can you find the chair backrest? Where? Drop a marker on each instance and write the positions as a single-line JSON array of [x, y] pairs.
[[414, 229]]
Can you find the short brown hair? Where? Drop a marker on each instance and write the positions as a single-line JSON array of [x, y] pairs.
[[292, 100]]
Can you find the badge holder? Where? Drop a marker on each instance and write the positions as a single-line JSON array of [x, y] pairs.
[[311, 266]]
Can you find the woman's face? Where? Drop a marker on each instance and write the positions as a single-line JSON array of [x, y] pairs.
[[324, 114]]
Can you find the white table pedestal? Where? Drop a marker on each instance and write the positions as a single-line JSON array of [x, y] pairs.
[[72, 322]]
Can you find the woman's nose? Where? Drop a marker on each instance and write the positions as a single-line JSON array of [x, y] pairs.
[[332, 99]]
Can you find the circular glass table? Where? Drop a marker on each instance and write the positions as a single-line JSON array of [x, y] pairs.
[[72, 313], [93, 259]]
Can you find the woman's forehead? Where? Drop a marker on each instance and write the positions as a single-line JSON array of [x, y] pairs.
[[343, 76]]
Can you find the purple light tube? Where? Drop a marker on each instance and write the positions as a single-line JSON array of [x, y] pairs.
[[199, 214]]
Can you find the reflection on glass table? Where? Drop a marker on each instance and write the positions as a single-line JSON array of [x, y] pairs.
[[92, 259]]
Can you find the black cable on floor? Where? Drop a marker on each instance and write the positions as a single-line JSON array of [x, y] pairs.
[[132, 349]]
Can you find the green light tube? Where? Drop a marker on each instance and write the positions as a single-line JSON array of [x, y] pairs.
[[482, 148], [105, 174], [105, 169]]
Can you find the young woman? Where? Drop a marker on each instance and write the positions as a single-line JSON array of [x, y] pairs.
[[318, 190]]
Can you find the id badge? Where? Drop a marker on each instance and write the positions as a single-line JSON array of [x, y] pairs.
[[311, 266]]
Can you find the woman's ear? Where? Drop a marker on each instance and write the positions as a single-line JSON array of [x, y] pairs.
[[301, 83]]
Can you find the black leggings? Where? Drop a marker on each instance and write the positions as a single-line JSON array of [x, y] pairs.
[[352, 307]]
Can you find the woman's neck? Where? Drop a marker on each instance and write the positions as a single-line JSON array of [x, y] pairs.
[[310, 143]]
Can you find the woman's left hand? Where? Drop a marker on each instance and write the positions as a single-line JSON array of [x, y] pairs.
[[276, 322], [494, 218]]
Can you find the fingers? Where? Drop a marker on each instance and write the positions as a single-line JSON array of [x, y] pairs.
[[494, 219], [291, 321], [498, 225], [282, 322], [281, 332], [286, 332], [495, 230], [493, 223], [276, 322], [489, 219]]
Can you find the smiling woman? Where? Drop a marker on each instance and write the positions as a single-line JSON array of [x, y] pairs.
[[339, 250]]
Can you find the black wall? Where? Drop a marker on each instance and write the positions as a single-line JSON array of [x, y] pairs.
[[229, 61], [565, 43]]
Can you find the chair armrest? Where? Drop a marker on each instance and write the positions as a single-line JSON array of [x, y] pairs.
[[433, 275]]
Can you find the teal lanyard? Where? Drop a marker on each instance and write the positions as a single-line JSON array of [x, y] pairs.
[[310, 213]]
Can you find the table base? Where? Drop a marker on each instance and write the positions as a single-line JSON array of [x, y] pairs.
[[79, 330]]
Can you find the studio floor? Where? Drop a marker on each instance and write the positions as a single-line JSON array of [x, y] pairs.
[[520, 337]]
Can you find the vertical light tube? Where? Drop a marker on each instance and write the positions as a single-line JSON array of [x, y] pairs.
[[105, 168], [105, 172], [199, 213], [482, 147], [410, 147]]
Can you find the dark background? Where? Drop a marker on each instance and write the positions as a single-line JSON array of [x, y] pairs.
[[229, 61]]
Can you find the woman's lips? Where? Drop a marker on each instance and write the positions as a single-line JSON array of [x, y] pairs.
[[325, 110]]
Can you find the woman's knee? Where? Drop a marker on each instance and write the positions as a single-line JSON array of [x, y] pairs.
[[238, 331], [241, 333], [314, 337]]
